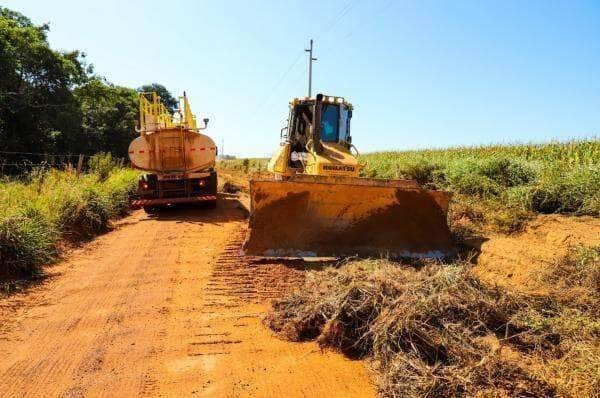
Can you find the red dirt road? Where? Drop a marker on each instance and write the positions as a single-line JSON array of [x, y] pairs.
[[164, 307]]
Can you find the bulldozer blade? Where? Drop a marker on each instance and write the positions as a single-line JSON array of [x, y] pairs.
[[326, 216]]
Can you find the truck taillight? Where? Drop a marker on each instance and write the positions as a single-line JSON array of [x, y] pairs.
[[145, 185]]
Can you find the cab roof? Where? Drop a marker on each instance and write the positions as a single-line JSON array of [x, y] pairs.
[[328, 99]]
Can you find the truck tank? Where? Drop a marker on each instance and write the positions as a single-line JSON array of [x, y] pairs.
[[173, 150]]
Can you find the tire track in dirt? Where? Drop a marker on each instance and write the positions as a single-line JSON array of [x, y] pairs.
[[236, 356], [64, 345], [163, 306]]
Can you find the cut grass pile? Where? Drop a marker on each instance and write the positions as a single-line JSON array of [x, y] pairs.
[[44, 207], [438, 331], [576, 279]]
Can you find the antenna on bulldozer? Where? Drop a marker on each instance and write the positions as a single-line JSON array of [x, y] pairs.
[[310, 61]]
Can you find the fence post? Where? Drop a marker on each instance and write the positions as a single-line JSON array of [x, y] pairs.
[[79, 165]]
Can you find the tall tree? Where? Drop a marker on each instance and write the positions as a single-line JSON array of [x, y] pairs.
[[108, 113], [37, 107], [51, 102]]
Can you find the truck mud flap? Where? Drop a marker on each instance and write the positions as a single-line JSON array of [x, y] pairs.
[[139, 203]]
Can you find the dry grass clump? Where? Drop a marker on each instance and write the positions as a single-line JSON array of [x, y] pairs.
[[576, 278], [437, 331], [577, 372], [575, 282]]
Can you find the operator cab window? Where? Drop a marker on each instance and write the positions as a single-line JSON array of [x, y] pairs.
[[344, 124], [329, 123], [299, 127]]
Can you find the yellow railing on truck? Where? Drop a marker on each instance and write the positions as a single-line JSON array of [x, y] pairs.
[[154, 115]]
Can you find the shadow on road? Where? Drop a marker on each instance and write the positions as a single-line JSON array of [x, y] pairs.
[[229, 208]]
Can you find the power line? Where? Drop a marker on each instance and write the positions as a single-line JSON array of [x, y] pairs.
[[336, 19], [39, 154], [364, 23], [369, 20], [301, 75], [281, 79], [333, 22], [287, 71]]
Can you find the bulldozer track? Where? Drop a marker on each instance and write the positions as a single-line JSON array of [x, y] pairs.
[[236, 280], [233, 283]]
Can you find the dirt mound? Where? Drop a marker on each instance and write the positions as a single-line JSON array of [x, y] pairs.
[[523, 321], [232, 178], [230, 187], [520, 260]]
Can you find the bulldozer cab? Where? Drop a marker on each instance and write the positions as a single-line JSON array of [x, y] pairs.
[[324, 119], [314, 126]]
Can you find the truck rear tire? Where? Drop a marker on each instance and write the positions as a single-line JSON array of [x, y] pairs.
[[151, 209], [206, 204]]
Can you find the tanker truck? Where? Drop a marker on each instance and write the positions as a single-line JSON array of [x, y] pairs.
[[177, 159]]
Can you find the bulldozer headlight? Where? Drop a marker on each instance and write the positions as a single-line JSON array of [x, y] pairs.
[[202, 183]]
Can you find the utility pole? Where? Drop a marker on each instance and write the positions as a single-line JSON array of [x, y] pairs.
[[223, 148], [310, 61]]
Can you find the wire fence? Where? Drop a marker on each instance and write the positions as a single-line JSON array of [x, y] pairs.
[[14, 163]]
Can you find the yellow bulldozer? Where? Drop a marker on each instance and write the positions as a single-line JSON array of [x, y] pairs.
[[316, 205]]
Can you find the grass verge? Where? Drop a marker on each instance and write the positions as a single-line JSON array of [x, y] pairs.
[[502, 186], [45, 207]]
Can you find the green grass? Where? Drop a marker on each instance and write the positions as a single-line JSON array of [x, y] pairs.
[[571, 153], [544, 178], [43, 208], [246, 165], [503, 185]]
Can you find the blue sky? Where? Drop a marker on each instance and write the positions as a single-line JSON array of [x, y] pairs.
[[419, 73]]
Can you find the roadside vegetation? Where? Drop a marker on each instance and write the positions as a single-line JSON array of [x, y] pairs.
[[245, 165], [437, 331], [45, 208], [53, 108], [500, 187]]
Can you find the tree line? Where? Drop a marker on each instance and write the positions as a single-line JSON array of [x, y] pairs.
[[53, 102]]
